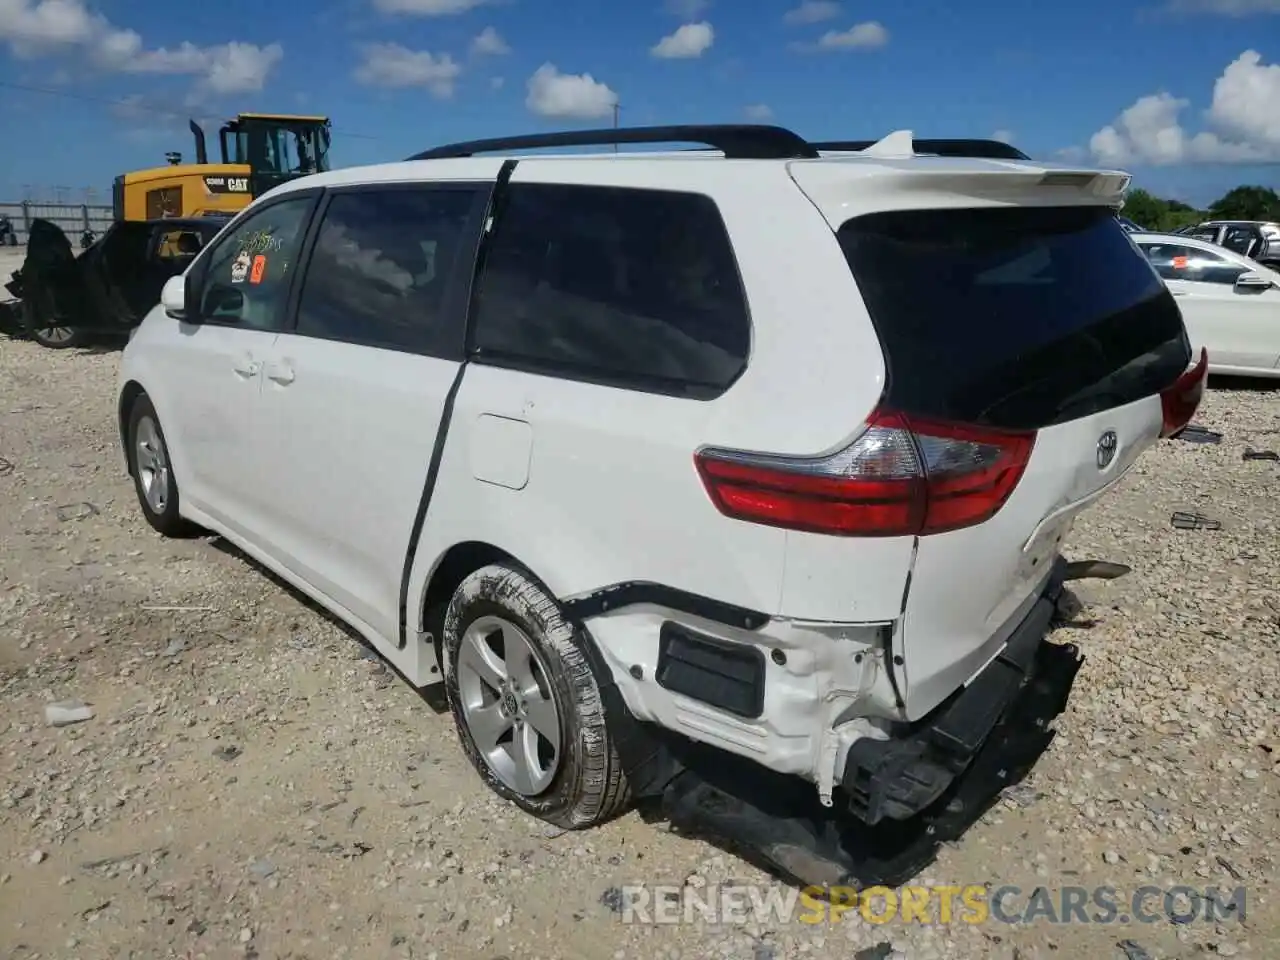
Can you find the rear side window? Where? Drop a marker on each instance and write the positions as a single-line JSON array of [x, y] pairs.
[[631, 288], [1015, 318]]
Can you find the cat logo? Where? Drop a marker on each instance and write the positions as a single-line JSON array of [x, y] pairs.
[[227, 184]]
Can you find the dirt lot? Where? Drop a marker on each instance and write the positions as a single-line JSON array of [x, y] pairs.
[[253, 783]]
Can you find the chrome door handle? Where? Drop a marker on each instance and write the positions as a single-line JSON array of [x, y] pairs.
[[281, 373]]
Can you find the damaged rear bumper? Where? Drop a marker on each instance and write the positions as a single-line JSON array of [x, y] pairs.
[[896, 779], [925, 786]]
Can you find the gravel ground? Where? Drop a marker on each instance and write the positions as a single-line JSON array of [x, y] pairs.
[[253, 783]]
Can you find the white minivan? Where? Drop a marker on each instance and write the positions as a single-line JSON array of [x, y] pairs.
[[759, 448]]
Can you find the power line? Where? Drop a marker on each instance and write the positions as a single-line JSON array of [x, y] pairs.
[[147, 105]]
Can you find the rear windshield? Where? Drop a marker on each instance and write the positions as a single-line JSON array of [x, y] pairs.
[[1017, 317]]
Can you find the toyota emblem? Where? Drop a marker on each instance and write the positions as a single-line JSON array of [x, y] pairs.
[[1107, 444]]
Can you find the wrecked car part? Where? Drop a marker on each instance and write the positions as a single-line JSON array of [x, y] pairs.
[[109, 287], [1251, 454], [1194, 433], [775, 821], [1194, 521], [1095, 570]]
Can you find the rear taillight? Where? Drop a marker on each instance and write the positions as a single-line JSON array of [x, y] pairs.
[[903, 476], [1180, 401]]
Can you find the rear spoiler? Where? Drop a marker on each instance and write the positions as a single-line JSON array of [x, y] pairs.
[[904, 181], [985, 149]]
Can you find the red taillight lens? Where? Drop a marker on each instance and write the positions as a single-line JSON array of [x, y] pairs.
[[1180, 401], [901, 477]]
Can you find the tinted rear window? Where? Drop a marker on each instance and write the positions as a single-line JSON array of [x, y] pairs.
[[1014, 317], [633, 288]]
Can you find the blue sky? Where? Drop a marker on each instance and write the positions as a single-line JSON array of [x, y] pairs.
[[1185, 93]]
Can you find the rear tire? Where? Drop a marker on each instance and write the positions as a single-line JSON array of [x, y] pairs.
[[153, 479], [542, 741]]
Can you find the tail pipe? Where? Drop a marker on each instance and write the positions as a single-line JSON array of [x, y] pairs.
[[202, 153]]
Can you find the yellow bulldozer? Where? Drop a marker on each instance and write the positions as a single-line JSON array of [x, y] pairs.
[[258, 151]]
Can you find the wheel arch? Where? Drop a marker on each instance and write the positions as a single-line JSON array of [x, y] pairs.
[[129, 395], [450, 569]]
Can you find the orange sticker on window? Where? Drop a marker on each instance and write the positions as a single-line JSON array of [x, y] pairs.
[[1179, 263], [260, 267]]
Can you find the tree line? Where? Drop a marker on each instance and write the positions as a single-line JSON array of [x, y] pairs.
[[1243, 203]]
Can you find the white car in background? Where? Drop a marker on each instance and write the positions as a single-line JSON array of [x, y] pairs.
[[1230, 304]]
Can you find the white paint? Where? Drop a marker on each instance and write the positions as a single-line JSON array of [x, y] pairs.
[[1239, 328]]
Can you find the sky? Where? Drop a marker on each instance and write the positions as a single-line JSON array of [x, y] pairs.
[[1185, 94]]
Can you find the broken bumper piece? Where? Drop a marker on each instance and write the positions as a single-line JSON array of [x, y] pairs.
[[778, 823], [920, 791], [896, 779]]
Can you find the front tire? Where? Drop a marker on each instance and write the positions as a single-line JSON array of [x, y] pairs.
[[526, 703], [149, 464], [52, 338]]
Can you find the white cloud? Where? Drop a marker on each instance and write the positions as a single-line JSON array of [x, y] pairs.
[[391, 65], [580, 95], [1004, 136], [1244, 117], [1246, 100], [861, 36], [687, 9], [813, 11], [488, 42], [758, 112], [36, 28], [497, 83], [1226, 8], [428, 8], [689, 41]]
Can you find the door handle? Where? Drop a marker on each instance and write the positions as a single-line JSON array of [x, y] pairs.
[[1178, 293], [281, 373], [247, 367]]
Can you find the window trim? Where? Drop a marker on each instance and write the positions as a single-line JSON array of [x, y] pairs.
[[576, 373], [198, 272], [457, 297]]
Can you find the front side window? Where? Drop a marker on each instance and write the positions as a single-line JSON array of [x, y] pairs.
[[246, 280], [627, 287], [383, 269]]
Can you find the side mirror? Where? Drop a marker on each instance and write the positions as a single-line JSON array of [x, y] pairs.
[[1252, 283], [174, 298]]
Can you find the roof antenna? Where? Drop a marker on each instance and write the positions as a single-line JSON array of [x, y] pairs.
[[900, 143]]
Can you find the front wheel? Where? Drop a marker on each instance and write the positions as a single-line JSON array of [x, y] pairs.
[[526, 703], [153, 478]]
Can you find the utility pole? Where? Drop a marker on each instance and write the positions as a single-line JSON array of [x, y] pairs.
[[616, 108]]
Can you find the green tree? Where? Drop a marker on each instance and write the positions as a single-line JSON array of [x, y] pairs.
[[1247, 203], [1157, 214]]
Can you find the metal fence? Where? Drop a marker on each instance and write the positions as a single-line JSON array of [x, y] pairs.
[[73, 218]]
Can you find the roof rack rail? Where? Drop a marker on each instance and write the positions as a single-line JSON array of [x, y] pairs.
[[736, 141], [986, 149]]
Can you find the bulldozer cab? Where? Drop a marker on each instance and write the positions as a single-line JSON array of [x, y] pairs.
[[275, 147], [259, 151]]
